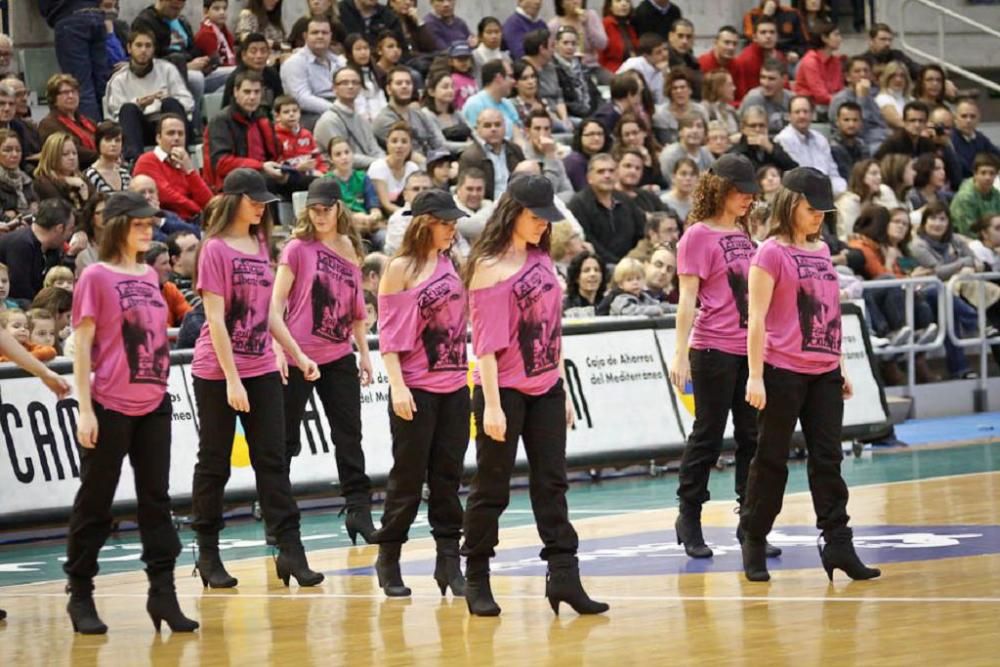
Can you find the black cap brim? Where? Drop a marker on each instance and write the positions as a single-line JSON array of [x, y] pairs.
[[449, 214], [263, 196], [147, 212], [820, 203], [748, 187], [550, 213]]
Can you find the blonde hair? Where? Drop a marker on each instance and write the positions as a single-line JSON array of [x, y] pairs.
[[892, 69], [562, 234], [39, 314], [51, 155], [304, 230], [626, 269], [57, 273], [5, 316]]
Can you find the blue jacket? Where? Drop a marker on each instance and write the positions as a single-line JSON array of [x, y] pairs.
[[54, 10], [967, 150]]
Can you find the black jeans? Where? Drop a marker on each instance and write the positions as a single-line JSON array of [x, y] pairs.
[[145, 440], [431, 446], [139, 130], [816, 401], [720, 382], [262, 426], [541, 422], [339, 391]]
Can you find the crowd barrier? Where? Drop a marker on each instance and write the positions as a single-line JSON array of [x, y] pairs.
[[626, 412]]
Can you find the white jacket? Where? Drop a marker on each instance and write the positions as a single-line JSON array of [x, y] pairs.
[[125, 87]]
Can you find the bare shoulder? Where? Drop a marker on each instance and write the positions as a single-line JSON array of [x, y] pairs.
[[394, 276], [487, 272]]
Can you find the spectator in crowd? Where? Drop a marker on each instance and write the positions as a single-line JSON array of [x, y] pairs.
[[968, 141], [894, 93], [25, 131], [880, 52], [666, 120], [630, 133], [808, 147], [63, 94], [59, 302], [107, 173], [771, 96], [139, 94], [7, 65], [663, 229], [326, 8], [589, 139], [978, 196], [661, 274], [846, 143], [214, 38], [158, 257], [718, 95], [417, 182], [628, 180], [755, 143], [792, 39], [690, 144], [182, 189], [116, 36], [372, 99], [860, 91], [426, 134], [747, 65], [491, 152], [414, 36], [576, 80], [470, 197], [371, 270], [717, 139], [930, 182], [612, 223], [439, 102], [498, 82], [820, 74], [625, 98], [91, 223], [656, 16], [539, 52], [723, 52], [17, 194], [541, 147], [390, 173], [683, 179], [30, 251], [171, 222], [916, 138], [864, 188], [932, 87], [628, 297], [80, 48], [341, 120], [898, 174], [650, 62], [22, 110], [623, 41], [253, 53], [680, 52], [532, 168], [58, 173], [388, 54], [769, 180], [183, 253], [986, 246], [587, 26], [174, 41], [59, 276], [462, 72], [368, 18], [298, 147], [307, 75], [525, 96], [37, 327], [263, 16], [6, 303], [523, 20], [565, 243], [439, 169], [586, 280], [490, 34], [356, 188], [445, 27]]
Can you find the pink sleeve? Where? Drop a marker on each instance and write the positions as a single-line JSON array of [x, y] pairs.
[[291, 256], [86, 298], [490, 315], [211, 269], [768, 257], [397, 322], [692, 256]]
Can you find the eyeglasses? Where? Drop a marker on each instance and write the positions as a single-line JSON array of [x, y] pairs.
[[68, 91], [593, 133]]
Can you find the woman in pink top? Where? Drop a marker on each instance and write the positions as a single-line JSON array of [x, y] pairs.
[[713, 260], [318, 293], [515, 304], [422, 337], [797, 374], [236, 374], [121, 367]]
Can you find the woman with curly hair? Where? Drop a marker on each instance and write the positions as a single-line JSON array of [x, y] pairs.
[[586, 281]]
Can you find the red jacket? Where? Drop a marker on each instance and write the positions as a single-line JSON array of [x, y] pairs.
[[819, 76], [208, 42], [746, 68], [228, 144], [184, 194], [612, 56], [707, 62], [299, 146]]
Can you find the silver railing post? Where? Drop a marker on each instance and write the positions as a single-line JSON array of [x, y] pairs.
[[980, 396]]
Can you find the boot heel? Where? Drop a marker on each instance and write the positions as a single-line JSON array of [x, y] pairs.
[[444, 588], [352, 534], [283, 574], [554, 603], [156, 623]]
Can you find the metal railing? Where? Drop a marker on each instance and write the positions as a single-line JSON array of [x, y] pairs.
[[942, 13], [981, 339]]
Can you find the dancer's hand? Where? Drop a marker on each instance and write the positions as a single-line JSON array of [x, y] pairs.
[[756, 396], [495, 423], [680, 371], [570, 412], [365, 370], [56, 383], [86, 429], [308, 367], [847, 389], [236, 396], [402, 403]]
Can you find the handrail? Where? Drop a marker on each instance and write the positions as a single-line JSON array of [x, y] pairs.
[[942, 12], [980, 401]]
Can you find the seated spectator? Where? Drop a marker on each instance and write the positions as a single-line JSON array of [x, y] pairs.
[[631, 134], [139, 94], [308, 73], [650, 62], [59, 302], [978, 196], [586, 280], [940, 127], [298, 147], [860, 91], [589, 139], [181, 188], [623, 42], [541, 147], [522, 20], [439, 164], [755, 143], [462, 72], [661, 275], [170, 222], [792, 38], [356, 188], [932, 87], [718, 94], [372, 99], [490, 35], [107, 174], [497, 82], [683, 180], [389, 173], [214, 38], [771, 96], [690, 144], [986, 246], [769, 180], [16, 323], [565, 243], [391, 240], [30, 251], [807, 146], [663, 230], [158, 257], [898, 174], [680, 52], [525, 96], [341, 120], [25, 130], [59, 276], [894, 94], [91, 223], [263, 16], [414, 37], [182, 248], [63, 95], [31, 140], [865, 188], [539, 53], [253, 53], [42, 334], [717, 139], [628, 181], [325, 8], [58, 173], [820, 74], [470, 197], [372, 269], [846, 143], [747, 65], [880, 52], [628, 297], [439, 102], [574, 18], [666, 120], [625, 98], [492, 153], [446, 28], [916, 138], [930, 182], [612, 223], [723, 52], [967, 140], [578, 89], [17, 194], [388, 54], [814, 13]]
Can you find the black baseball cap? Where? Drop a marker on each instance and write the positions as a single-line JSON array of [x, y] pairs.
[[813, 184], [131, 204], [738, 170], [438, 203], [438, 155], [535, 193], [245, 181], [324, 191]]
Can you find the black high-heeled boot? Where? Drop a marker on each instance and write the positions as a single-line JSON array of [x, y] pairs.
[[688, 529], [754, 559], [390, 579], [81, 609], [209, 564], [478, 594], [359, 520], [3, 614], [291, 562], [770, 551], [448, 568], [839, 553], [562, 584], [162, 605]]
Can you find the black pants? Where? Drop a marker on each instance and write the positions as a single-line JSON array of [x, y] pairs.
[[139, 130], [339, 391], [541, 422], [431, 446], [817, 401], [146, 441], [720, 381], [262, 426]]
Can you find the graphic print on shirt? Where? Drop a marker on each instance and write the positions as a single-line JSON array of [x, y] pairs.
[[147, 354], [332, 318], [539, 327], [819, 324], [737, 251], [443, 340], [246, 326]]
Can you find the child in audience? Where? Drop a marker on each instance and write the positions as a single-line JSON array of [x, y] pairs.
[[460, 62], [388, 51], [15, 322], [356, 188], [372, 98], [298, 147], [628, 297], [42, 332], [59, 302], [371, 312], [490, 43], [5, 303], [213, 37], [60, 276]]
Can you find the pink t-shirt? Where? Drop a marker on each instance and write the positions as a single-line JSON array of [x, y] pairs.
[[803, 322], [131, 353], [325, 301], [244, 282], [721, 260], [520, 321], [427, 326]]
